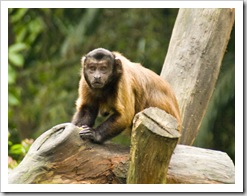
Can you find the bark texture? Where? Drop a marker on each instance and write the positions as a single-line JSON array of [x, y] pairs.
[[192, 64], [154, 137], [59, 156]]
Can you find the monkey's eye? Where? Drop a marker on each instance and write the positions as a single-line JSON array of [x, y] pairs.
[[92, 68], [103, 68]]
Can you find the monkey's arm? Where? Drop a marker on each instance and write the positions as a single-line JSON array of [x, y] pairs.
[[114, 125], [121, 118], [86, 115]]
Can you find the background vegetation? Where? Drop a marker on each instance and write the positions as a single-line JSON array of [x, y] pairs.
[[45, 48]]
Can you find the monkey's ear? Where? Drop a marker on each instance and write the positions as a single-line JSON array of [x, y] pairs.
[[118, 65], [83, 60]]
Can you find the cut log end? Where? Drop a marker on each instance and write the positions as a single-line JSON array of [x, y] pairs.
[[158, 122]]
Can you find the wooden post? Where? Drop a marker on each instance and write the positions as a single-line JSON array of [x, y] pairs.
[[192, 64], [154, 137]]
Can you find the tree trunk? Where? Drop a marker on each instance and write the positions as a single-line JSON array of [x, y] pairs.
[[193, 62]]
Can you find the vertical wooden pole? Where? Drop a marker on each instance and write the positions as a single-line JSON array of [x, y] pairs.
[[154, 137]]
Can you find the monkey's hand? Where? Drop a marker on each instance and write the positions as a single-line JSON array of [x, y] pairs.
[[87, 132]]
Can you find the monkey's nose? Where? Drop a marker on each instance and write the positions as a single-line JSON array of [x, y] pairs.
[[97, 76]]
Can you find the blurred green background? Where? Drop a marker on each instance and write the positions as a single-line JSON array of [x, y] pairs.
[[45, 48]]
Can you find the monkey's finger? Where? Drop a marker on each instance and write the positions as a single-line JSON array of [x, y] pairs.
[[84, 127], [87, 135], [84, 131]]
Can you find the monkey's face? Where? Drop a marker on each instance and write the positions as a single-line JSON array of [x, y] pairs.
[[97, 72]]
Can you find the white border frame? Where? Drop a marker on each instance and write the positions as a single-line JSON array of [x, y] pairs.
[[237, 187]]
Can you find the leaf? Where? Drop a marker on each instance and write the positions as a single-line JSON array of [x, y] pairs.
[[20, 13], [10, 143], [11, 75], [16, 59], [17, 149], [18, 47], [13, 100]]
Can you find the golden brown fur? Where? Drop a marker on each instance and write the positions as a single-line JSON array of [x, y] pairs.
[[142, 89]]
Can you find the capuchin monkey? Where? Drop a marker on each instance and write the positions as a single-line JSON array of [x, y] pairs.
[[113, 86]]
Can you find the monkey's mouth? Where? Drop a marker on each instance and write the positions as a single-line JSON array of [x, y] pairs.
[[97, 84]]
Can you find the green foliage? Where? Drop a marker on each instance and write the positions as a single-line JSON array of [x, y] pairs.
[[17, 151], [16, 60]]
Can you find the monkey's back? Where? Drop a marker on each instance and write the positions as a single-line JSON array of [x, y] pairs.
[[149, 89]]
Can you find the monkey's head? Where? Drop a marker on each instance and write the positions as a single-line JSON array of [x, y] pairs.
[[101, 68]]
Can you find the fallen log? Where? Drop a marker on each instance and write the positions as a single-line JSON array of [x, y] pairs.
[[59, 156]]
